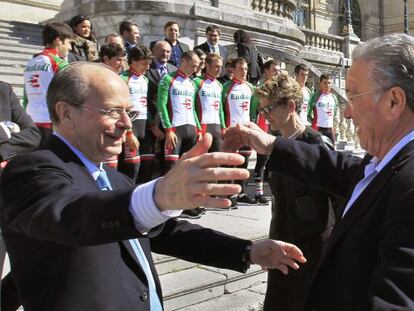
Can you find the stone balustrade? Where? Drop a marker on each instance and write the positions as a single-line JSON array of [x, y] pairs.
[[323, 40], [280, 8]]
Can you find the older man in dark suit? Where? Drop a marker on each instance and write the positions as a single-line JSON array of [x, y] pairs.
[[80, 235], [367, 263], [18, 134], [212, 45]]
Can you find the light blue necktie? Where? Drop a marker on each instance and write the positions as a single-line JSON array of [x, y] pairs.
[[105, 185]]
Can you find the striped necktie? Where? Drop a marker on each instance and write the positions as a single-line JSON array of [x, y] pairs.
[[163, 70], [155, 304]]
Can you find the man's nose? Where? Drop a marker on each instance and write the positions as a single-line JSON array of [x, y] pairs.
[[125, 120]]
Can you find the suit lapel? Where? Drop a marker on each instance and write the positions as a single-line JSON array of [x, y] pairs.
[[365, 200]]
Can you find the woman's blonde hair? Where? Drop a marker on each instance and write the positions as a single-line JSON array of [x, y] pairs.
[[281, 89]]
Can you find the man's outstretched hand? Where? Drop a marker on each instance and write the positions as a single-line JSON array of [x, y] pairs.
[[193, 181], [273, 254], [248, 134]]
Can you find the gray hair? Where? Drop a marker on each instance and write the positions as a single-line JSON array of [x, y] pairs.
[[159, 43], [392, 62], [68, 85]]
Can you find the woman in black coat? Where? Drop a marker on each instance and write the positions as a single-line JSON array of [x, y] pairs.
[[300, 215], [247, 50]]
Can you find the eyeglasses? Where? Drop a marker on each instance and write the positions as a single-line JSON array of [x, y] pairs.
[[113, 113], [353, 97], [268, 109]]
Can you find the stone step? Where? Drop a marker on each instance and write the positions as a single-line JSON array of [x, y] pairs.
[[197, 284], [20, 27], [17, 63], [249, 299], [5, 55], [11, 69], [19, 43], [22, 38], [12, 79], [17, 49]]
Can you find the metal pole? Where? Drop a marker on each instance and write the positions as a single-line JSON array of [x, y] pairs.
[[348, 17], [405, 17]]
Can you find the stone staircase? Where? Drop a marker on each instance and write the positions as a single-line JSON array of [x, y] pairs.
[[188, 286], [18, 42]]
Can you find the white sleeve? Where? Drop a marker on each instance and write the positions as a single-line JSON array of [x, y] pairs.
[[143, 209]]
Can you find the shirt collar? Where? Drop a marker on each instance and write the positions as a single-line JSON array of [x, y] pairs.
[[159, 64], [93, 169], [212, 45], [377, 165]]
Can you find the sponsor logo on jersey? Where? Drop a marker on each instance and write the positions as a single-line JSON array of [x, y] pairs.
[[182, 92], [43, 67], [188, 103], [215, 105], [244, 106], [210, 94], [241, 96], [34, 80]]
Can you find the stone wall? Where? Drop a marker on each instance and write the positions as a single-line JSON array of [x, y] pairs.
[[31, 11]]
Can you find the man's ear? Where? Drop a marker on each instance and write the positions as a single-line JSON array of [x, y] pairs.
[[64, 112], [397, 102]]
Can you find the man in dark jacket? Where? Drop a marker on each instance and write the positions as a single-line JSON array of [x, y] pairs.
[[172, 32], [18, 134], [367, 263], [80, 235], [212, 45]]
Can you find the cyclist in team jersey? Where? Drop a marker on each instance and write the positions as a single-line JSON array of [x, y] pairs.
[[40, 70], [240, 106], [176, 106], [209, 105], [138, 162]]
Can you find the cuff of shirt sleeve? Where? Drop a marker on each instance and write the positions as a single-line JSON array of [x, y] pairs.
[[5, 129], [143, 209]]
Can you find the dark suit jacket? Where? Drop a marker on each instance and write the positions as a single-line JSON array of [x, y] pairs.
[[223, 53], [10, 110], [68, 240], [154, 79], [206, 49], [368, 262], [249, 53]]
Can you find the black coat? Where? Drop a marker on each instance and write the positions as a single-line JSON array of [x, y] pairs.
[[68, 240], [249, 53], [302, 216], [367, 263], [11, 110]]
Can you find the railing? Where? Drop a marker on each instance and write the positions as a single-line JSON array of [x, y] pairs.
[[323, 40], [280, 8]]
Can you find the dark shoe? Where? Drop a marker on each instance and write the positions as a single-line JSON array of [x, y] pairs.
[[233, 200], [261, 199], [190, 213], [244, 198], [201, 210]]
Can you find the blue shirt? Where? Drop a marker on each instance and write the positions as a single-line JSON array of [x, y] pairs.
[[374, 167]]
